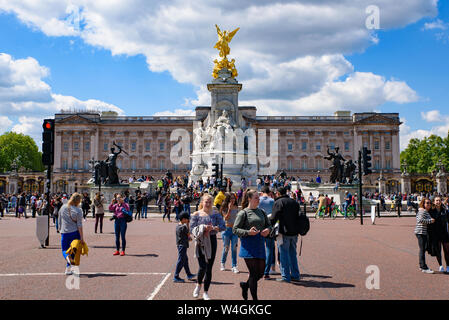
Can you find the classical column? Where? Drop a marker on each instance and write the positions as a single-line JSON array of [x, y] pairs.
[[58, 151], [382, 151], [395, 151], [70, 157], [94, 144], [81, 158]]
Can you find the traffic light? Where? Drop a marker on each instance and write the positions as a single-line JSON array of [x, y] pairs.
[[215, 171], [366, 161], [48, 142]]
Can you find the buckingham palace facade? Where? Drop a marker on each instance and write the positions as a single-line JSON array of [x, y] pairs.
[[303, 141]]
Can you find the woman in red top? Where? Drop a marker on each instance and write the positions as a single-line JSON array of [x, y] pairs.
[[118, 206]]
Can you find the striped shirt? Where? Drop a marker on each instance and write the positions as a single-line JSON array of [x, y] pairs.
[[423, 218]]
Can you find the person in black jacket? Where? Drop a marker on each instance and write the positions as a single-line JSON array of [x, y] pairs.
[[287, 211], [86, 204], [438, 233]]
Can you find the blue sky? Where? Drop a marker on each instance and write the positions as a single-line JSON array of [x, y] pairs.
[[156, 66]]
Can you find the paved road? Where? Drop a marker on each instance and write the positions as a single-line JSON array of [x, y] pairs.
[[333, 264]]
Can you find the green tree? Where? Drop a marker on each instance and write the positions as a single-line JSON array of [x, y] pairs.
[[422, 155], [21, 147]]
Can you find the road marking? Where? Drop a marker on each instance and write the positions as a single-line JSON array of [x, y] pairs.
[[159, 287], [84, 273]]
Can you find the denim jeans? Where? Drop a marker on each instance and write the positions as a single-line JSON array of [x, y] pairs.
[[66, 241], [269, 251], [187, 207], [120, 231], [229, 238], [183, 262], [144, 211], [289, 261]]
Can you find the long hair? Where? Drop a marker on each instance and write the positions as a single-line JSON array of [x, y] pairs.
[[75, 199], [423, 201], [227, 202], [204, 197], [247, 195]]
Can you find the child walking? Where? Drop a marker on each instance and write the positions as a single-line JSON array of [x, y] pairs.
[[182, 242]]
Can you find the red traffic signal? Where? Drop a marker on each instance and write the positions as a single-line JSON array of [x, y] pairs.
[[48, 124]]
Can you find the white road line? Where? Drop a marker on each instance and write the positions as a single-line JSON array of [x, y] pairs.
[[86, 273], [159, 287]]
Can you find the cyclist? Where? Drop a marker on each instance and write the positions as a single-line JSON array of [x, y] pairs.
[[347, 203]]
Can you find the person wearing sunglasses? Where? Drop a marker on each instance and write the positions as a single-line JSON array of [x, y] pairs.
[[423, 219], [440, 234]]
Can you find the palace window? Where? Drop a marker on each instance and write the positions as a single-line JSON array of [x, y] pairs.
[[133, 164], [290, 146], [388, 164], [304, 146], [161, 146], [162, 165], [318, 164], [318, 146], [387, 145], [66, 146], [147, 146], [147, 164], [304, 164], [76, 146], [65, 164], [75, 164], [332, 146], [87, 146], [376, 145], [133, 146], [346, 146]]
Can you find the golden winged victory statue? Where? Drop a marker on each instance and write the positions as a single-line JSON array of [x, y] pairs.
[[222, 45]]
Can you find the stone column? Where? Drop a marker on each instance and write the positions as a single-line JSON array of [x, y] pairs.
[[395, 151], [441, 182], [70, 157], [382, 151], [58, 151], [81, 159], [406, 186], [382, 183]]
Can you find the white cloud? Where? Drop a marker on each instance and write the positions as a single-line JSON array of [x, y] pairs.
[[360, 91], [285, 50], [177, 112], [437, 24], [432, 116], [442, 130], [5, 124]]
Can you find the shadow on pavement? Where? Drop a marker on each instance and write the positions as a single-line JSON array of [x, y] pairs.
[[143, 255], [322, 284], [314, 276], [217, 282], [105, 275]]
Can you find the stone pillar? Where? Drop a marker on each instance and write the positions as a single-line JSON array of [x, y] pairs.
[[70, 157], [13, 182], [58, 151], [395, 151], [81, 159], [441, 183], [382, 183], [406, 186], [382, 151]]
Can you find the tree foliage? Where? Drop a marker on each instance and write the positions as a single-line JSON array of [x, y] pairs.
[[422, 155], [21, 147]]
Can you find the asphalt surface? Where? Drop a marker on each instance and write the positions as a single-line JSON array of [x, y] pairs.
[[333, 264]]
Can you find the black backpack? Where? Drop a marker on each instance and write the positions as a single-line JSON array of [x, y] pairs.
[[303, 224]]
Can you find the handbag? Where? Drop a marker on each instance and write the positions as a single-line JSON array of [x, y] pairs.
[[128, 215], [274, 231]]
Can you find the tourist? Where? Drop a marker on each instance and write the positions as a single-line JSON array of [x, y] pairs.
[[205, 224], [70, 226], [57, 204], [118, 206], [145, 206], [423, 219], [86, 205], [99, 202], [266, 203], [229, 210], [287, 211], [438, 233], [138, 203], [177, 206], [131, 202], [186, 200], [348, 199], [182, 242], [251, 226], [219, 199], [167, 207]]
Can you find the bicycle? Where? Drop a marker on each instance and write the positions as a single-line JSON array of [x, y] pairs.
[[321, 213], [350, 212]]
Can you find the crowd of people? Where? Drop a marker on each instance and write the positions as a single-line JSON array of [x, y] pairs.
[[256, 220]]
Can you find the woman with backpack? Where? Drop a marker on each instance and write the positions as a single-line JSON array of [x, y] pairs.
[[252, 226], [120, 208]]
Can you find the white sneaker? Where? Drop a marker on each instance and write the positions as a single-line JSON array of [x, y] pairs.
[[206, 296], [235, 270], [196, 292], [427, 271], [222, 268], [441, 269], [68, 271]]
